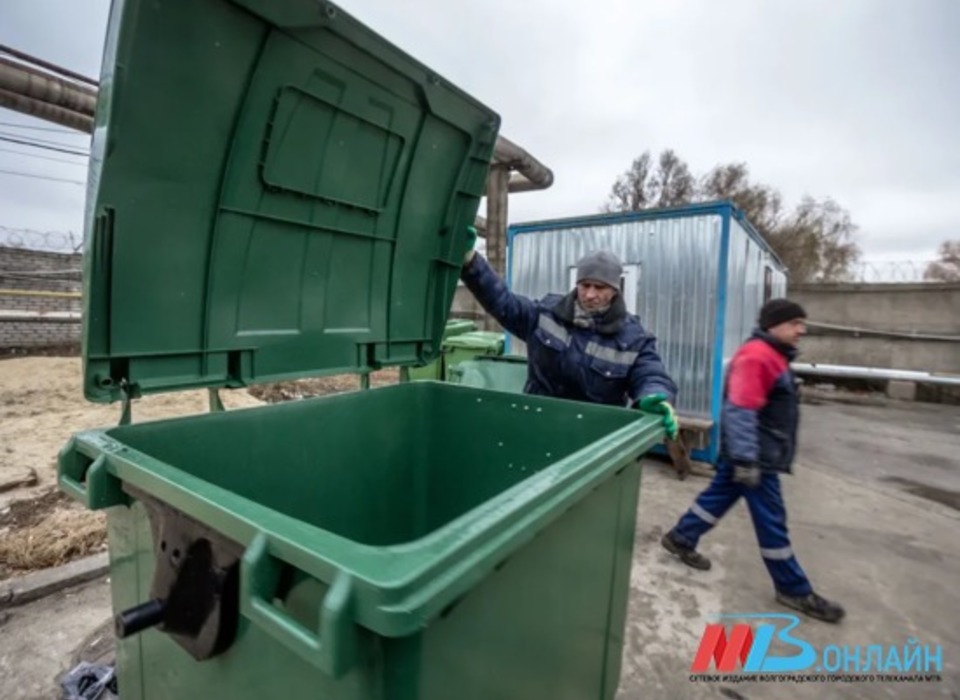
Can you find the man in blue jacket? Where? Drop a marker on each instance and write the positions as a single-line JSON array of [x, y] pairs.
[[583, 345], [761, 412]]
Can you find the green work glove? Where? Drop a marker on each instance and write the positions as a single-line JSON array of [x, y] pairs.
[[657, 403], [472, 240]]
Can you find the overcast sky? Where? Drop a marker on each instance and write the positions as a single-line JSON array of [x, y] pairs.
[[858, 100]]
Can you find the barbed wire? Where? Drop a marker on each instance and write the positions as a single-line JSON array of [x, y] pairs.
[[51, 241], [865, 271], [895, 271]]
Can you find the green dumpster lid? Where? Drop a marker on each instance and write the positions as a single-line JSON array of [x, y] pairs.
[[275, 191]]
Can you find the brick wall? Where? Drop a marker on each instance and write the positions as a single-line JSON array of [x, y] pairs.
[[35, 282], [27, 334]]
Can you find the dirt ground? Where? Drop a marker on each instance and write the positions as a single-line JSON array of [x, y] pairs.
[[41, 406]]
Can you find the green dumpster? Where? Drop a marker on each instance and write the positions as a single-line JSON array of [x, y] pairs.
[[507, 373], [276, 192], [458, 326], [468, 346], [434, 370]]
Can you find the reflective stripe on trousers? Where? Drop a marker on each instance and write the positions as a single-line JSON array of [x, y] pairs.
[[769, 517]]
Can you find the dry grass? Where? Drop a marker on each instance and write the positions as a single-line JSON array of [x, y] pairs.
[[42, 406], [45, 532], [322, 386]]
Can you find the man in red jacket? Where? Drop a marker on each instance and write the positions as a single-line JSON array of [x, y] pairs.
[[761, 411]]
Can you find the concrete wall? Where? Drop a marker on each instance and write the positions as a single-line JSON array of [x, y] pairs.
[[40, 298], [910, 309]]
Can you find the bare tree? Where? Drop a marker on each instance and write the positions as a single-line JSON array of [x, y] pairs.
[[815, 241], [947, 268], [631, 191], [672, 184], [761, 204]]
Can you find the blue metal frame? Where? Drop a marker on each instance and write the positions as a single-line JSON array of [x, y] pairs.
[[726, 210], [716, 399], [754, 234], [712, 451], [720, 207]]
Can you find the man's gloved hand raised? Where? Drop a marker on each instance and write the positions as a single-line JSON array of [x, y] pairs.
[[472, 240], [747, 474], [657, 403]]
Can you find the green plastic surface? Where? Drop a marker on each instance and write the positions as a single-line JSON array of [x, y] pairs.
[[487, 342], [469, 346], [418, 561], [275, 191], [545, 622], [434, 369], [508, 373], [458, 326]]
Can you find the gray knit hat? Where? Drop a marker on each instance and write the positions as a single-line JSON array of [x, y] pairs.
[[600, 266]]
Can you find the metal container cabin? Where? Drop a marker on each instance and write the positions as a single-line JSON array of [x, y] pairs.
[[695, 275]]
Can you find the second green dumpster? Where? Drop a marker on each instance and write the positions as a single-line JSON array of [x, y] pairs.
[[468, 346]]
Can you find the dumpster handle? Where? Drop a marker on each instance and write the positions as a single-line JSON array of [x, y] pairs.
[[333, 647], [90, 483], [73, 488]]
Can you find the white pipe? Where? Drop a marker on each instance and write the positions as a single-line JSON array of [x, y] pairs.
[[853, 372]]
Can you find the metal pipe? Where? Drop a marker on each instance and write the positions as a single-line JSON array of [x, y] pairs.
[[519, 183], [139, 618], [853, 372], [908, 335], [31, 82], [46, 110], [533, 175], [49, 66], [497, 217]]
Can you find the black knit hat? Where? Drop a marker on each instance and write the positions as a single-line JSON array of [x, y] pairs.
[[777, 311]]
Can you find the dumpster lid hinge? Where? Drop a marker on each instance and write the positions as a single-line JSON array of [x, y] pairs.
[[216, 403], [129, 392]]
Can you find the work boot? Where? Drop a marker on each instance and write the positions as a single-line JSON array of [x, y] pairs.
[[813, 605], [687, 555]]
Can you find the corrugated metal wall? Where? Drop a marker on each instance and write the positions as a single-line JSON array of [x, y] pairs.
[[747, 273], [676, 290]]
